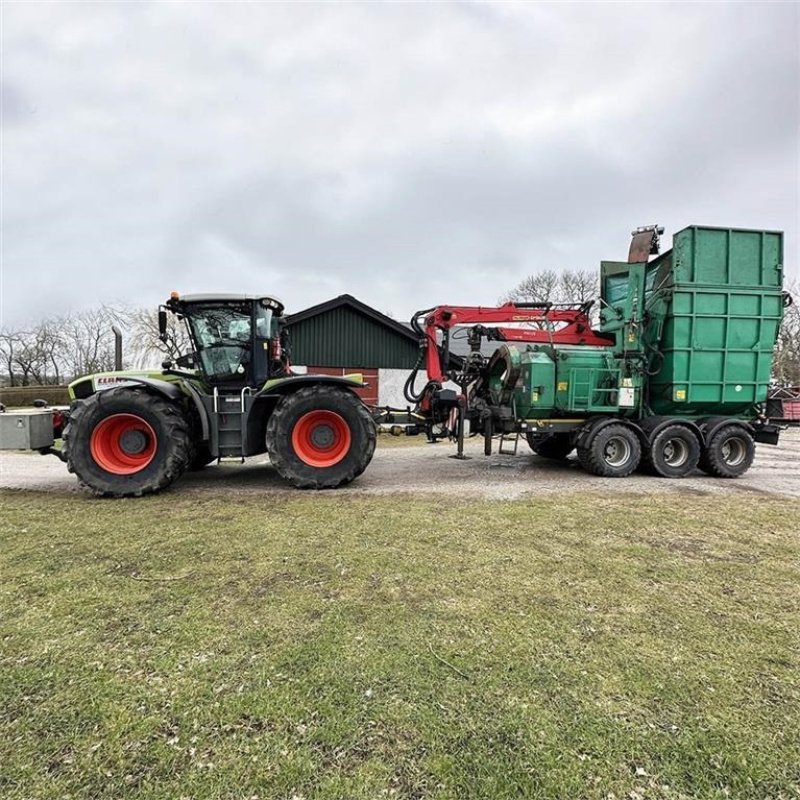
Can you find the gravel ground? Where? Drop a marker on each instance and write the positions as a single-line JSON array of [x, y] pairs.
[[429, 469]]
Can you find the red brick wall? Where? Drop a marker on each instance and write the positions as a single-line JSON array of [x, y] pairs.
[[368, 395]]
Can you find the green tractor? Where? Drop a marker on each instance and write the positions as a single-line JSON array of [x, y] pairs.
[[234, 395]]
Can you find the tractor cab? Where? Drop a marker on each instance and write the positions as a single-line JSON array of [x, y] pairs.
[[237, 340]]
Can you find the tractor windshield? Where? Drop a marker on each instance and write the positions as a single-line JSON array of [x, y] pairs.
[[223, 339]]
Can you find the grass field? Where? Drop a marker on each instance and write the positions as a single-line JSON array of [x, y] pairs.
[[200, 645]]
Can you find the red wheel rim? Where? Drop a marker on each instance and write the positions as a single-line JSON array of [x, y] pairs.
[[321, 438], [123, 444]]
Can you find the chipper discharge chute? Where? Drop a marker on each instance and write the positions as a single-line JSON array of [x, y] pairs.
[[673, 375]]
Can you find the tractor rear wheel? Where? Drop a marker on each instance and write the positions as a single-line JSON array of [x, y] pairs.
[[320, 437], [126, 442], [729, 452], [613, 451], [551, 445]]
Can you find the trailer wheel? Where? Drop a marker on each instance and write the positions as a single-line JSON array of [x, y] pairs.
[[126, 442], [551, 445], [320, 437], [673, 453], [729, 452], [613, 451]]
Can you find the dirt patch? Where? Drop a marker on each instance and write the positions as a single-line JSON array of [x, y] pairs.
[[429, 469]]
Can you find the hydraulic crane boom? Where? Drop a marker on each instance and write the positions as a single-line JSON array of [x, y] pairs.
[[557, 325]]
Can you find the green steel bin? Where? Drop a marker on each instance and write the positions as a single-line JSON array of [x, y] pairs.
[[714, 310]]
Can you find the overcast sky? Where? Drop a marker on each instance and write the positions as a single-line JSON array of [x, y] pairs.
[[409, 154]]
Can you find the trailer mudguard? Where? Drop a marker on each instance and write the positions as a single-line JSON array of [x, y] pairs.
[[652, 426], [710, 425], [594, 425]]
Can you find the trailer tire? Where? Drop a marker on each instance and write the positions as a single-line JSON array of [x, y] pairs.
[[673, 453], [320, 437], [551, 445], [612, 451], [126, 442], [729, 452]]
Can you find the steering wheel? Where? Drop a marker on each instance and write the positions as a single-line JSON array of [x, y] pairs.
[[242, 346]]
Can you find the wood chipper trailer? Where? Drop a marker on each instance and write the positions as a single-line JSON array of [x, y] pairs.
[[673, 377], [129, 433]]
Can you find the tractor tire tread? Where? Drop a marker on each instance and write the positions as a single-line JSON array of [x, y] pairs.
[[279, 436], [77, 454]]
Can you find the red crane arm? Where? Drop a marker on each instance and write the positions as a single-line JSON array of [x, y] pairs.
[[575, 327]]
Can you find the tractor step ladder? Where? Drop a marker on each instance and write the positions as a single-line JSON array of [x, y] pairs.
[[229, 409], [508, 438]]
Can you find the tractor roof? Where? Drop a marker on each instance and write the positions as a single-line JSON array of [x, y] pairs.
[[227, 298]]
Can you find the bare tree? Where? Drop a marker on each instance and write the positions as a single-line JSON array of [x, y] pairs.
[[44, 347], [88, 340], [10, 343], [27, 358], [579, 286], [145, 341], [786, 359], [541, 287], [549, 286]]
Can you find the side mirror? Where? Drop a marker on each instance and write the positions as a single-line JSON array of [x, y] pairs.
[[162, 324]]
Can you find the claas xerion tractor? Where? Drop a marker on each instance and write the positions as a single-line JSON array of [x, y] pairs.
[[130, 433]]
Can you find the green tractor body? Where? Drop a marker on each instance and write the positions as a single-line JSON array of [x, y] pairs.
[[234, 395]]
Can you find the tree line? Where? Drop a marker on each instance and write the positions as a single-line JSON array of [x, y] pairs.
[[60, 348]]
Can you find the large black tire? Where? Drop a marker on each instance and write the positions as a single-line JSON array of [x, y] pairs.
[[729, 452], [200, 457], [673, 453], [126, 442], [320, 437], [613, 451], [551, 445]]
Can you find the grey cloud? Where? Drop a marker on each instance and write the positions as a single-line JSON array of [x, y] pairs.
[[407, 155]]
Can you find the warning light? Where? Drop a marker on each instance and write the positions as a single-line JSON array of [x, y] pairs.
[[173, 295]]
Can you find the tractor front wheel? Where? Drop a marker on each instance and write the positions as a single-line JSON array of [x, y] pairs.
[[320, 437], [126, 442]]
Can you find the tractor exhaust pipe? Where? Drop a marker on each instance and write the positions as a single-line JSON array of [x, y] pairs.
[[117, 347]]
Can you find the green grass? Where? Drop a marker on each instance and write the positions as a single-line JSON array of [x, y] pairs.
[[302, 645]]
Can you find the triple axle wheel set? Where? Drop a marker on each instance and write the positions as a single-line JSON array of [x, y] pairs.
[[669, 448]]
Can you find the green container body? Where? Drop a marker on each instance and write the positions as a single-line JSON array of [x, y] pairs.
[[569, 380], [548, 382], [694, 332], [714, 313]]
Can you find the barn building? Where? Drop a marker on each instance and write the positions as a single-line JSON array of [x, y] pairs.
[[344, 335]]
